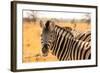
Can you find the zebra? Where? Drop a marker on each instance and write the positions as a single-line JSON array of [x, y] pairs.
[[63, 45], [48, 30]]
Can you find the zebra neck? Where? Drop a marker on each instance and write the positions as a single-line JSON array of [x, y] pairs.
[[59, 47]]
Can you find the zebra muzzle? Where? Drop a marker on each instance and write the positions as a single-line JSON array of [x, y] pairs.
[[45, 50]]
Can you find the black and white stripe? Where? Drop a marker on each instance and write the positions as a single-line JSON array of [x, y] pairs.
[[62, 43], [86, 36], [71, 49]]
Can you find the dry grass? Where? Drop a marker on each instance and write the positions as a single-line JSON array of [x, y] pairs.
[[32, 42]]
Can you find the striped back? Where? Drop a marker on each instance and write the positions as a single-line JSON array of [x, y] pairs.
[[86, 36]]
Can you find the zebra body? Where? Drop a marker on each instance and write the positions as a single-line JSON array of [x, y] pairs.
[[62, 44], [71, 49]]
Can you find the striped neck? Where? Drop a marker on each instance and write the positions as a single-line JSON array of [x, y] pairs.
[[60, 44]]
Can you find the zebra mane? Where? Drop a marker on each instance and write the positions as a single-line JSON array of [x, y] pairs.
[[68, 28], [66, 31]]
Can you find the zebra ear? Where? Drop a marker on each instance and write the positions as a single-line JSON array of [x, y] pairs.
[[52, 25], [41, 24]]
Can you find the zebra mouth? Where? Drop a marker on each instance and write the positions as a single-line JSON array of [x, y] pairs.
[[45, 51], [45, 55]]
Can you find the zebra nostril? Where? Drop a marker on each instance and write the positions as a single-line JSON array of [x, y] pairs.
[[45, 50]]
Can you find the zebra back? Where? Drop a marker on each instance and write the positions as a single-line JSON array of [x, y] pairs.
[[86, 36]]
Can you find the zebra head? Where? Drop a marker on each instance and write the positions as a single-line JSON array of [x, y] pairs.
[[48, 36]]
